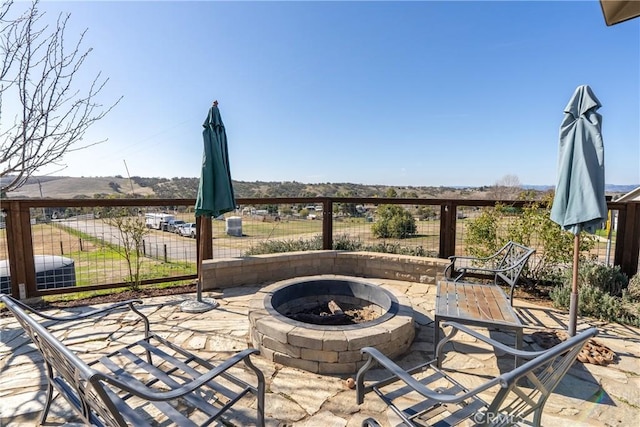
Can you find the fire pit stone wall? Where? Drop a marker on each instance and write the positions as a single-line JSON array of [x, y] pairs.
[[231, 272], [329, 349]]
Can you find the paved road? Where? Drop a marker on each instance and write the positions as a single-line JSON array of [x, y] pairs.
[[156, 243]]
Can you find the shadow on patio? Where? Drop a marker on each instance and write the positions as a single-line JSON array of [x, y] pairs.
[[588, 395]]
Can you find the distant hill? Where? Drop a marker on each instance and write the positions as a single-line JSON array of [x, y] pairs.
[[89, 187], [73, 187]]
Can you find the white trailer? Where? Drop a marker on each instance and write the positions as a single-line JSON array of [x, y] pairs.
[[158, 221]]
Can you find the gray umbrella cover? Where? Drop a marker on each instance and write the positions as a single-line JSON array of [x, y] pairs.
[[579, 202]]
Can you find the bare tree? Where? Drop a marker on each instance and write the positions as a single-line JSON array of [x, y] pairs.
[[132, 228], [43, 115], [506, 188]]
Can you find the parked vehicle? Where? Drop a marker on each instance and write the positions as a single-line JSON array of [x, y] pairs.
[[174, 224], [188, 229], [158, 221]]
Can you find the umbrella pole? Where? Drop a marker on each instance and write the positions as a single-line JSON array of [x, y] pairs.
[[200, 305], [200, 258], [573, 304]]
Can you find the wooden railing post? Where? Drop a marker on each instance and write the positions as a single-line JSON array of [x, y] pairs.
[[628, 239], [327, 224], [447, 230], [20, 249]]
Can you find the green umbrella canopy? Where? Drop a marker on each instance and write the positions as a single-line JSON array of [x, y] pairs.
[[215, 191], [579, 203]]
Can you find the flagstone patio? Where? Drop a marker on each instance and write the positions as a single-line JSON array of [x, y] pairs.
[[590, 395]]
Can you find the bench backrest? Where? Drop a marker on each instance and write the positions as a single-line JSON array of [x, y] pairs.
[[65, 365], [519, 398], [512, 259]]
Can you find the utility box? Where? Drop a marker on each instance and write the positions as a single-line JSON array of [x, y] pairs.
[[233, 226], [51, 272]]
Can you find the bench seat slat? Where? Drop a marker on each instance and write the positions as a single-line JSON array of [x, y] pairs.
[[125, 410], [470, 300], [219, 388], [165, 407], [231, 378], [125, 387], [160, 375], [478, 304]]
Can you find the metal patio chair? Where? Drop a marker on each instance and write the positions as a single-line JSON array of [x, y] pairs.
[[429, 396]]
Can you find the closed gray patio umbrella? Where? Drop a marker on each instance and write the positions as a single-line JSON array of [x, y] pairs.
[[215, 192], [579, 203]]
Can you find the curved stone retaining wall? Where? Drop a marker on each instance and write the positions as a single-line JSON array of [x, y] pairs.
[[257, 269]]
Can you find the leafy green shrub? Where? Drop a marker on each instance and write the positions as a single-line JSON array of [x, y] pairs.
[[482, 233], [592, 302], [599, 291], [608, 279], [495, 226], [394, 221], [342, 243], [633, 288], [395, 248], [279, 246]]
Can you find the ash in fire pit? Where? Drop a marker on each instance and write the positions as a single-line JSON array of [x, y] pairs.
[[333, 302], [333, 314]]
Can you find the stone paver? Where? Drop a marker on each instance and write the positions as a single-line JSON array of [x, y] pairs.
[[588, 396]]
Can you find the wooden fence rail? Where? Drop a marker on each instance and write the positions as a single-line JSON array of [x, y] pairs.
[[18, 222]]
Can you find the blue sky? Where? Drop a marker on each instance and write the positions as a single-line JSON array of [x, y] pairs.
[[393, 93]]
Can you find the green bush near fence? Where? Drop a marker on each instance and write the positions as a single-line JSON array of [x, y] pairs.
[[602, 293], [632, 293], [554, 246], [394, 222], [341, 242]]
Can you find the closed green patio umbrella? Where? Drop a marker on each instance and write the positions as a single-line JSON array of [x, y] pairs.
[[215, 192], [579, 203]]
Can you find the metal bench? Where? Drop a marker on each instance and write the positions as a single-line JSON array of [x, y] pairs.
[[147, 382], [505, 265], [482, 304], [429, 394]]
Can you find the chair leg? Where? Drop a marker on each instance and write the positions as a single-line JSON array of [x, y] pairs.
[[50, 392], [436, 334], [518, 345], [370, 422]]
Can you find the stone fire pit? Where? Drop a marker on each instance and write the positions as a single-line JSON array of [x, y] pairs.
[[328, 348]]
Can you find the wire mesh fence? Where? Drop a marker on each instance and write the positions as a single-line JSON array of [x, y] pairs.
[[102, 243], [510, 225]]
